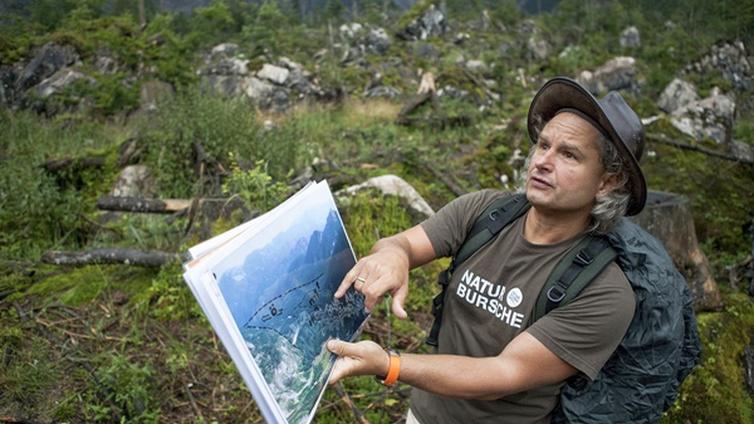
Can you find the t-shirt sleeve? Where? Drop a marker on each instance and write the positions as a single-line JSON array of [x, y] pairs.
[[447, 229], [586, 331]]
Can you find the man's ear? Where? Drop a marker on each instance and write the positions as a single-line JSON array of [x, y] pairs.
[[608, 182]]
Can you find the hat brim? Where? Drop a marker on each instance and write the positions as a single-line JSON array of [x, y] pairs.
[[560, 93]]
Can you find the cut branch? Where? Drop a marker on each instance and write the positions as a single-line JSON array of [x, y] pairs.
[[139, 204], [110, 256], [411, 106], [358, 415], [657, 138], [446, 179], [479, 83]]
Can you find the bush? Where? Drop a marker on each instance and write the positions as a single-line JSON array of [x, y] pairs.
[[196, 124], [255, 186], [38, 209]]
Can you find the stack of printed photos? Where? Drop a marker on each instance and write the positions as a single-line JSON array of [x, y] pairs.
[[267, 288]]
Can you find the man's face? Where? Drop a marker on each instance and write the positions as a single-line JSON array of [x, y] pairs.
[[565, 173]]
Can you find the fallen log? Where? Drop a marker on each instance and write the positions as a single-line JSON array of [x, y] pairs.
[[658, 138], [152, 258], [437, 122], [57, 165], [412, 105], [140, 204], [21, 267], [445, 177]]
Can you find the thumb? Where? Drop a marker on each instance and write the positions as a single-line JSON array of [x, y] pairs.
[[339, 347], [399, 299]]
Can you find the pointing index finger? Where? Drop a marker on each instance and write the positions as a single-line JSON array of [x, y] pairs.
[[348, 280]]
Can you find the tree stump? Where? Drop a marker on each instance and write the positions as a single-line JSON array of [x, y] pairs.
[[668, 218]]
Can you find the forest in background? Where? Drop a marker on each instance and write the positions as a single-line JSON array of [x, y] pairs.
[[242, 101]]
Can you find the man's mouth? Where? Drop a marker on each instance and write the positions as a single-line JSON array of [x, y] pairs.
[[540, 182]]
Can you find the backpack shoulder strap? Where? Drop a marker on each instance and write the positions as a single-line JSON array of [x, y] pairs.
[[495, 217], [573, 273]]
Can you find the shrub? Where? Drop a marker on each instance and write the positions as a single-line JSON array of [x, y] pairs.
[[196, 127]]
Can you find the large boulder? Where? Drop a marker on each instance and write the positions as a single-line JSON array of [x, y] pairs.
[[274, 86], [275, 74], [59, 81], [393, 185], [676, 95], [378, 41], [226, 85], [358, 39], [258, 89], [630, 37], [224, 71], [106, 64], [618, 73], [153, 92], [476, 65], [224, 50], [730, 58], [667, 217], [134, 181], [711, 117], [537, 47], [8, 76], [741, 151], [431, 23], [301, 81], [47, 60]]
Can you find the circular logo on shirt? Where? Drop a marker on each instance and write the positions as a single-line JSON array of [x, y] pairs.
[[514, 298]]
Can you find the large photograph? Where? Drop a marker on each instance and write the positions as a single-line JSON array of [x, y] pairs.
[[279, 288]]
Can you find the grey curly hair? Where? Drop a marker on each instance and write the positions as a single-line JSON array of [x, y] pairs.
[[607, 209]]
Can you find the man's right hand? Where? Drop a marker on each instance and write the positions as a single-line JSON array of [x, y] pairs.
[[385, 269]]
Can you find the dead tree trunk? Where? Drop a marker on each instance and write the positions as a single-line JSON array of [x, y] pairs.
[[110, 256], [667, 217]]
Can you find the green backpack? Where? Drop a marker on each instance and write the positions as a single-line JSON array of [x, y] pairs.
[[574, 272]]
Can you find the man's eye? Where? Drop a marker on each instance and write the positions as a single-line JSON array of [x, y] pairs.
[[569, 155]]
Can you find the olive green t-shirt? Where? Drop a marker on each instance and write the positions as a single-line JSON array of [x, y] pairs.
[[489, 301]]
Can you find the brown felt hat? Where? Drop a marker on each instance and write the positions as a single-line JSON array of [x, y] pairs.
[[612, 114]]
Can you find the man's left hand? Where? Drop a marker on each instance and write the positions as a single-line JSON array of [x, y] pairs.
[[362, 358]]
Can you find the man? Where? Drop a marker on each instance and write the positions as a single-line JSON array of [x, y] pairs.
[[492, 364]]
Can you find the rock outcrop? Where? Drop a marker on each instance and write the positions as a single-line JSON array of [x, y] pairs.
[[618, 73]]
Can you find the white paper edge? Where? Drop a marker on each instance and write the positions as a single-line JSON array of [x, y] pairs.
[[200, 281]]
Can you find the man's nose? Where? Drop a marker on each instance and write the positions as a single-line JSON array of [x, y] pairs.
[[543, 160]]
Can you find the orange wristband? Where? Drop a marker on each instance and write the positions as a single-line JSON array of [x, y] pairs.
[[394, 368]]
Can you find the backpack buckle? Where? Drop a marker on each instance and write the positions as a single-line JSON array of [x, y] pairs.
[[555, 294], [583, 258]]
